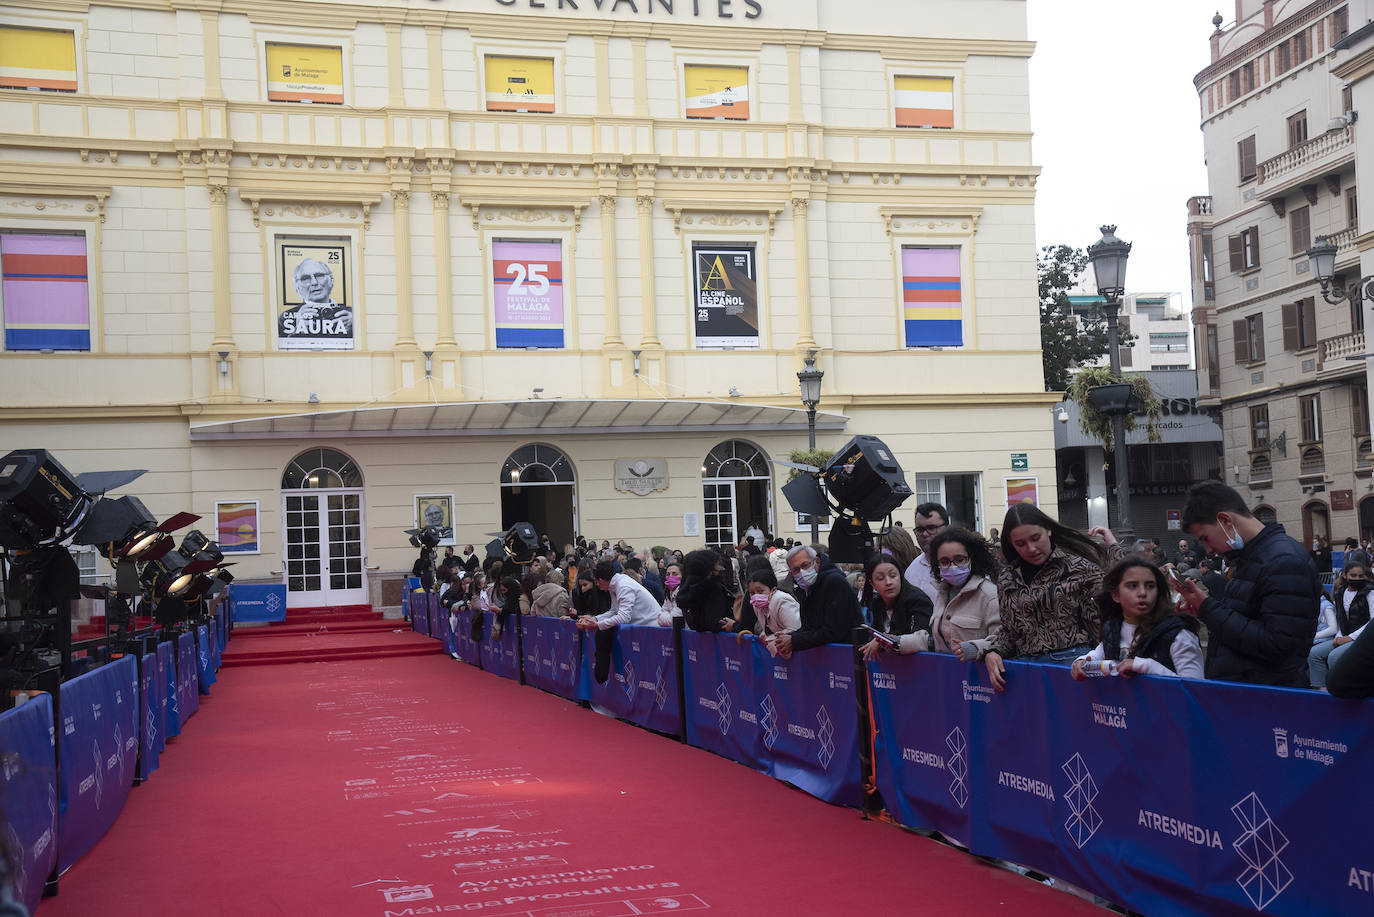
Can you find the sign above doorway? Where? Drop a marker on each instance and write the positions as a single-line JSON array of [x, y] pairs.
[[641, 476]]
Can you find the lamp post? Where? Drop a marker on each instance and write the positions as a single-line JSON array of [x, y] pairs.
[[810, 379], [1108, 258], [1323, 257]]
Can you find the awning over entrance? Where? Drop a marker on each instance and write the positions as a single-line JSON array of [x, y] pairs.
[[533, 417]]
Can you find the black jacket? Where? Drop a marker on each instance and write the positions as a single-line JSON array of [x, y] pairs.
[[829, 609], [910, 613], [704, 602], [654, 584], [1356, 615], [1260, 628], [1158, 646]]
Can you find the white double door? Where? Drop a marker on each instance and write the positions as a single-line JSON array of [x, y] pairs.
[[324, 548]]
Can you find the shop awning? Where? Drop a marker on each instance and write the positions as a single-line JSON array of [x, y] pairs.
[[532, 417]]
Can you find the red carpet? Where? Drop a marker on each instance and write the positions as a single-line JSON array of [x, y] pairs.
[[421, 786]]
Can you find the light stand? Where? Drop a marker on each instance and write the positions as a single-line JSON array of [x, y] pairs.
[[1108, 258], [1322, 254], [810, 379]]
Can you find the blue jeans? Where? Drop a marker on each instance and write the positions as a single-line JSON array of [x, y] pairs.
[[1322, 657], [1058, 657]]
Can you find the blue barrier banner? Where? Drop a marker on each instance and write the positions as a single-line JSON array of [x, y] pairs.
[[252, 603], [443, 630], [214, 647], [463, 644], [419, 612], [921, 751], [169, 700], [188, 695], [151, 742], [408, 605], [204, 669], [553, 648], [649, 678], [98, 750], [721, 714], [28, 793], [499, 656], [1166, 796], [807, 716], [436, 611]]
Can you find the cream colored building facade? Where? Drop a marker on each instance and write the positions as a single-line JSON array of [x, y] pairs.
[[203, 177]]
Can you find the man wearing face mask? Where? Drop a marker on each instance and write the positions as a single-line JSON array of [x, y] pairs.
[[1260, 627], [829, 608]]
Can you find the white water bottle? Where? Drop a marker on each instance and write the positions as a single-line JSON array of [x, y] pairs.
[[1098, 669]]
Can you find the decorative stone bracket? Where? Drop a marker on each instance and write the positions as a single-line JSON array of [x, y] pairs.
[[348, 205], [42, 197], [953, 220], [718, 214], [505, 210]]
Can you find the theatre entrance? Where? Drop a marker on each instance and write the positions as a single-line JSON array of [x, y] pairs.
[[323, 532], [539, 486], [737, 493]]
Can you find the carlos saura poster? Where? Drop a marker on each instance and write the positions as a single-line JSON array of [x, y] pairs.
[[727, 302], [314, 307]]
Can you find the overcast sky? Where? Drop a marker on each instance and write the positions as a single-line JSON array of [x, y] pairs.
[[1116, 127]]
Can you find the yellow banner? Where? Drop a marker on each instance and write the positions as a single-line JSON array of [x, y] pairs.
[[37, 59], [717, 92], [304, 73], [925, 101], [521, 84]]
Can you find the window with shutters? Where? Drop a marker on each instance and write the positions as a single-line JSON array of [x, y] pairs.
[[1283, 59], [1300, 47], [1233, 85], [1340, 24], [1300, 230], [1213, 359], [1297, 128], [1347, 99], [1259, 426], [1244, 249], [1247, 77], [1352, 208], [1300, 324], [1309, 415], [1245, 150], [1249, 339], [1359, 409]]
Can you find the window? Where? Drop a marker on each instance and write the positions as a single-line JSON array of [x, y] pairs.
[[1259, 426], [932, 297], [1169, 342], [1244, 249], [41, 59], [304, 73], [1300, 230], [1213, 359], [321, 468], [1233, 85], [717, 93], [1347, 98], [1352, 208], [520, 84], [1247, 77], [1297, 128], [45, 291], [1246, 153], [1261, 470], [1359, 409], [1283, 59], [1249, 334], [1340, 25], [1309, 415], [1300, 324], [1161, 463], [925, 101], [959, 494], [1300, 47]]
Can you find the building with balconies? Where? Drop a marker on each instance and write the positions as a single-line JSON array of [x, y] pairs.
[[1285, 367]]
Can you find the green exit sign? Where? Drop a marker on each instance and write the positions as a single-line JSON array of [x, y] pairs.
[[1020, 462]]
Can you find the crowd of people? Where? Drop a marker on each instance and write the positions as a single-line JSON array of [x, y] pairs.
[[1239, 600]]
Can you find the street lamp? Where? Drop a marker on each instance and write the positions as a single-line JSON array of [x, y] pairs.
[[810, 379], [1323, 257], [1108, 258]]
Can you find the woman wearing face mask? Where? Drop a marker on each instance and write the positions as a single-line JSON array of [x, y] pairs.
[[967, 614], [672, 579], [704, 594], [1352, 617], [895, 606], [1047, 592], [775, 611]]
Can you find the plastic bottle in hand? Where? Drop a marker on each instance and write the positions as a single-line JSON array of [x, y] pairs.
[[1099, 669]]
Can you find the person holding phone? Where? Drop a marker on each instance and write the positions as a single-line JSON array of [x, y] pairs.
[[1141, 632], [896, 606]]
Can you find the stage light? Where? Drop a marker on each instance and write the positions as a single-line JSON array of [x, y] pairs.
[[124, 530], [41, 503]]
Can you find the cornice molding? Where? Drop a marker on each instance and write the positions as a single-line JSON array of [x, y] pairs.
[[97, 194], [931, 218], [718, 213], [506, 210], [294, 197]]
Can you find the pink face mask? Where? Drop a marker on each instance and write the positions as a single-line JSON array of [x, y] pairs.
[[758, 600], [672, 581]]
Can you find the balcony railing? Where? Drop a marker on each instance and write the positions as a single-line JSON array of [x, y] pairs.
[[1336, 349], [1312, 463], [1200, 206], [1301, 157]]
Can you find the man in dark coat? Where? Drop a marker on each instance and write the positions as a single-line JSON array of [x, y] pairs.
[[829, 608], [1260, 627]]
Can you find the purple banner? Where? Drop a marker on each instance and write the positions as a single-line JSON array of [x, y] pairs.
[[721, 708], [553, 650], [150, 702], [499, 656], [188, 695], [205, 669], [99, 750], [170, 700], [28, 794]]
